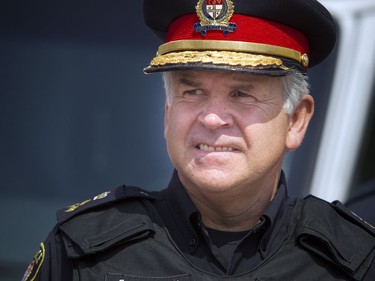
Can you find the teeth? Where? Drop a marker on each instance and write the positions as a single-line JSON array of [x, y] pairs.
[[205, 147]]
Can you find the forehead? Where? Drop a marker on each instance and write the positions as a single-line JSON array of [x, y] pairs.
[[203, 75]]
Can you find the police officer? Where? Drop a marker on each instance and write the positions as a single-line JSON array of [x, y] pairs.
[[237, 100]]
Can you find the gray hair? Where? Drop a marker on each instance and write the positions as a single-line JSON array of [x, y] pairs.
[[295, 86]]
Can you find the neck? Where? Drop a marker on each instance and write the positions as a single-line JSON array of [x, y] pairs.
[[232, 210]]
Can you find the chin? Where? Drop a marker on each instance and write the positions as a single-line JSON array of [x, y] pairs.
[[214, 180]]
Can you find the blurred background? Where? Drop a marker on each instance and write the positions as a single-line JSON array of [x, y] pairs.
[[77, 114], [79, 117]]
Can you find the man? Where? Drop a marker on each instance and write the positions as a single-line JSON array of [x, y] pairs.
[[237, 100]]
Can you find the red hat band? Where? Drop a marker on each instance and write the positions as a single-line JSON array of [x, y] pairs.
[[249, 29]]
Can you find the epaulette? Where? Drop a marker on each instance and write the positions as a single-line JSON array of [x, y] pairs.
[[345, 213], [353, 217], [104, 199], [336, 234]]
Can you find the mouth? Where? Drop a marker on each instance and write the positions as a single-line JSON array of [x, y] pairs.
[[208, 148]]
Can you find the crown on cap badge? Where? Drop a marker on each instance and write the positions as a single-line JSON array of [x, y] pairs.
[[214, 15]]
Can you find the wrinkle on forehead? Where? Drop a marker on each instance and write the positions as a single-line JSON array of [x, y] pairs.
[[185, 75]]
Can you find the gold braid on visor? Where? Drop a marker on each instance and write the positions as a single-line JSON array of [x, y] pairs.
[[217, 52]]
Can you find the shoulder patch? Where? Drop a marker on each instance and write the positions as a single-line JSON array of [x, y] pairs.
[[105, 198], [34, 266]]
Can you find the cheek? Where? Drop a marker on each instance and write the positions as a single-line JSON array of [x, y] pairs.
[[177, 123], [266, 133]]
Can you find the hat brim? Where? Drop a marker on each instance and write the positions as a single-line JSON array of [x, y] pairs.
[[223, 61]]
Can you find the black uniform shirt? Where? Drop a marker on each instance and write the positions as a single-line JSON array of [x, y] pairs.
[[220, 252], [226, 253]]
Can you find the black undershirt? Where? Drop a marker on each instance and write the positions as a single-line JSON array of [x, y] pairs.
[[225, 243]]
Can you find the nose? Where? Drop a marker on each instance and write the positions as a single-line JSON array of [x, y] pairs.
[[215, 114]]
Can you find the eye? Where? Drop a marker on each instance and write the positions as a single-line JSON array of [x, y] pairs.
[[193, 94], [243, 96], [240, 94]]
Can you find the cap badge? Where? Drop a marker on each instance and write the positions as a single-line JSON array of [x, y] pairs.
[[214, 15]]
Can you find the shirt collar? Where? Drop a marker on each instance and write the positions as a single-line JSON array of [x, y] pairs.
[[272, 211], [178, 197], [184, 211], [187, 213], [275, 214]]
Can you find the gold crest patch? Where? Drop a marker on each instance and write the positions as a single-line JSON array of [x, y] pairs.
[[215, 15]]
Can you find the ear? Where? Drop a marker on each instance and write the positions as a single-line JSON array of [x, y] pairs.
[[166, 118], [299, 122]]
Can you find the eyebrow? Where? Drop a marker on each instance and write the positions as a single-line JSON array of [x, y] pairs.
[[238, 81], [246, 82], [187, 82], [245, 86]]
